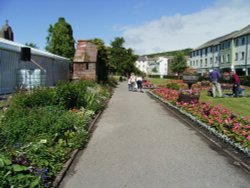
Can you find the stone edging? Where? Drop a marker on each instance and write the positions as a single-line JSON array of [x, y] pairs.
[[178, 112]]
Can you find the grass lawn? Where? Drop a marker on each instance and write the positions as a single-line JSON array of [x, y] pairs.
[[239, 105], [157, 80]]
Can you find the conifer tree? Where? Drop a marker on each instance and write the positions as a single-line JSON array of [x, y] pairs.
[[60, 39]]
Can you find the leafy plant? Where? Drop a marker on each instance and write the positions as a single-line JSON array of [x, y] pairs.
[[41, 128], [173, 85]]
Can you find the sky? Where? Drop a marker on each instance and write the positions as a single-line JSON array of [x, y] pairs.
[[148, 26]]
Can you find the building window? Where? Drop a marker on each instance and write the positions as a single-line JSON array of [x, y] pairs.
[[211, 60], [87, 66], [205, 51], [236, 56], [205, 62], [201, 63], [228, 58], [243, 41], [236, 42], [223, 59], [216, 59], [242, 55], [197, 63], [222, 46]]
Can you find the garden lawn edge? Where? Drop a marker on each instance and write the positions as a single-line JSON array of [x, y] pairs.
[[73, 155], [190, 120]]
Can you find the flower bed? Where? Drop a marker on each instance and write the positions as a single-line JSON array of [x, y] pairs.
[[40, 130], [232, 128], [189, 96], [146, 84]]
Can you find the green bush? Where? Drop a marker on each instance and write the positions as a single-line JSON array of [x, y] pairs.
[[38, 97], [154, 76], [173, 85], [44, 122], [74, 94], [172, 77], [245, 80], [41, 128]]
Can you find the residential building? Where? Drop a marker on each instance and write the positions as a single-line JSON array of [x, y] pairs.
[[153, 66], [142, 64], [228, 52]]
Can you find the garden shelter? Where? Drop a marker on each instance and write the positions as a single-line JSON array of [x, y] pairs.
[[84, 63], [25, 67]]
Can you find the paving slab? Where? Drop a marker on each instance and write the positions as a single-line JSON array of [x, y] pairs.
[[139, 144]]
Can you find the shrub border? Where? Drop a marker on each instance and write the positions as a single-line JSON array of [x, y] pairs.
[[189, 119], [59, 178]]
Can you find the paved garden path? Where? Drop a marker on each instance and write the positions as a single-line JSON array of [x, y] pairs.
[[138, 144]]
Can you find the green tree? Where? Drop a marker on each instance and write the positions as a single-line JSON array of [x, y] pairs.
[[31, 44], [121, 60], [102, 61], [179, 63], [60, 39], [154, 70]]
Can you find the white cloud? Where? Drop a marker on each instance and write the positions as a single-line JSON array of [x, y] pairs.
[[183, 31]]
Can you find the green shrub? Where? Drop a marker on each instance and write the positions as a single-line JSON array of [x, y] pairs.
[[172, 77], [154, 76], [245, 80], [38, 97], [44, 122], [173, 85], [73, 94], [38, 131]]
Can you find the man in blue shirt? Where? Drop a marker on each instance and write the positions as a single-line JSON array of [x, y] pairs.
[[215, 76]]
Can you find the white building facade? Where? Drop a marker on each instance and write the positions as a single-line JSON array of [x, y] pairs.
[[153, 66]]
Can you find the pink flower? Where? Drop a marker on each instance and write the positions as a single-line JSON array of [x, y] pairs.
[[236, 126], [248, 137], [244, 133]]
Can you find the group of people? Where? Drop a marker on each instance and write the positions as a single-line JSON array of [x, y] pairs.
[[135, 83], [215, 76]]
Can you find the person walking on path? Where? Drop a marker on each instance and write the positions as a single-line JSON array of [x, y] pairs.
[[139, 83], [236, 83], [133, 81], [214, 77], [129, 84]]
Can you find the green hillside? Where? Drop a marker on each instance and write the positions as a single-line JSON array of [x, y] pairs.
[[171, 53]]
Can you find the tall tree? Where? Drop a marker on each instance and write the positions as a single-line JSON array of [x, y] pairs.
[[60, 39], [179, 63], [121, 60], [102, 60]]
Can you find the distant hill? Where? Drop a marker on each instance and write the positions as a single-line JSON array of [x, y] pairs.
[[171, 53]]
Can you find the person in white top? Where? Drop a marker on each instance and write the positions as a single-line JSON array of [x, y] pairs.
[[133, 81], [129, 84]]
